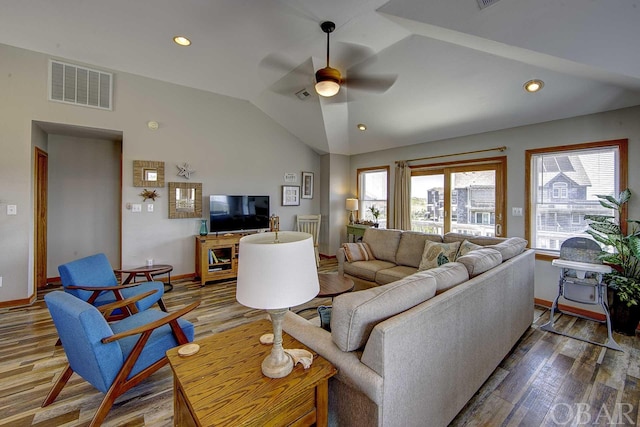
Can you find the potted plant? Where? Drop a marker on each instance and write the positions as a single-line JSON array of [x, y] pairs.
[[624, 281], [375, 212]]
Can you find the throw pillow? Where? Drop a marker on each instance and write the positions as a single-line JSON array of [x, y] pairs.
[[436, 254], [357, 252], [466, 247], [324, 311]]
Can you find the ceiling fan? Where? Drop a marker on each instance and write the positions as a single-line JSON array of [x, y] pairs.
[[329, 80]]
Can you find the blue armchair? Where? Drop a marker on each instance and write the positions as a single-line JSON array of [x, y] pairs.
[[92, 279], [113, 357]]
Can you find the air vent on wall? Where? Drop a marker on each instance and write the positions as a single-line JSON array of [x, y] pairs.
[[77, 85], [486, 3]]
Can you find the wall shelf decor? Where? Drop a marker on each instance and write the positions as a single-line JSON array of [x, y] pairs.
[[147, 173], [290, 195], [185, 200], [307, 185]]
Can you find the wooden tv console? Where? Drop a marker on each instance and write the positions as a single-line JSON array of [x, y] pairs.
[[217, 256]]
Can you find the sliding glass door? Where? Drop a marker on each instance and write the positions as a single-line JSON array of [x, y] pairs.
[[461, 198]]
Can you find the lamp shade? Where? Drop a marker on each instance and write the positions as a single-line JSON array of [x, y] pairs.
[[276, 270], [352, 204]]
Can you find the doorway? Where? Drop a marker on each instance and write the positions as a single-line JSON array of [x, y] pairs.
[[77, 196]]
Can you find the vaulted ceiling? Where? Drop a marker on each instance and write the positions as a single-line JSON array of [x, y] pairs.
[[458, 69]]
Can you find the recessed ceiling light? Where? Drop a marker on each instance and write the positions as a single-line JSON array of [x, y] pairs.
[[182, 40], [361, 127], [533, 86]]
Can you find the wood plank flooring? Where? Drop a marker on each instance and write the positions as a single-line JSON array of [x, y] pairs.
[[547, 379]]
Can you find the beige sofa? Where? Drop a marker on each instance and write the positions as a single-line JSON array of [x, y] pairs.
[[398, 254], [414, 351]]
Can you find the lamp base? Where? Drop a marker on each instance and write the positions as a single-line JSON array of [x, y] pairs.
[[351, 218], [278, 364]]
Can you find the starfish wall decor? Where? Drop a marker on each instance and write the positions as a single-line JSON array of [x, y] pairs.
[[185, 170]]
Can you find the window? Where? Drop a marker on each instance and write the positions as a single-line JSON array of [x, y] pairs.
[[560, 190], [463, 197], [562, 184], [373, 184]]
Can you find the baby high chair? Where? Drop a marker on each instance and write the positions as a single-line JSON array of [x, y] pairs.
[[581, 281]]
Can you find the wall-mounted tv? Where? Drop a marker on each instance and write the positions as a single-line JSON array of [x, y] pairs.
[[238, 213]]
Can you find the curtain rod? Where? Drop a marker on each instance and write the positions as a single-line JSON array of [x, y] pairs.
[[503, 148]]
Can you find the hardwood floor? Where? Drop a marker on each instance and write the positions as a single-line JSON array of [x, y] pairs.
[[547, 379]]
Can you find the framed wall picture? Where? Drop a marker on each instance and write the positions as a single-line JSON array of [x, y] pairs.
[[148, 173], [290, 195], [307, 185]]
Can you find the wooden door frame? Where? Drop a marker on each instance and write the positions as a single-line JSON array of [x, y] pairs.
[[40, 179]]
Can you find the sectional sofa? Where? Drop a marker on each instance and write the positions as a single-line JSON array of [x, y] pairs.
[[413, 351]]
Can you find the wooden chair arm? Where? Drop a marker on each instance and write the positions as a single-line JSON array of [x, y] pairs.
[[153, 325], [108, 308]]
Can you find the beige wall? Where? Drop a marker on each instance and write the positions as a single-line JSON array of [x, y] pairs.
[[617, 124], [233, 147]]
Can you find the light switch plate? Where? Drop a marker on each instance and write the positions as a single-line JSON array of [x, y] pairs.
[[516, 211], [12, 210], [136, 207], [150, 207]]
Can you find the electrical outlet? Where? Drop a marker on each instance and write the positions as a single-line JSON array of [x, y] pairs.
[[0, 281], [12, 210]]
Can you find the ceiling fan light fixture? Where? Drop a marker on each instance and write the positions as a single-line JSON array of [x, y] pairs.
[[328, 81]]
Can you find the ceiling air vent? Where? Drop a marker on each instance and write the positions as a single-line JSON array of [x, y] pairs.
[[77, 85], [486, 3]]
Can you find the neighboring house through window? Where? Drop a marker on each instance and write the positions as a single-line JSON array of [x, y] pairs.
[[562, 184]]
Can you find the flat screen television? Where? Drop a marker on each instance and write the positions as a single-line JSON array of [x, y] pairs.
[[238, 213]]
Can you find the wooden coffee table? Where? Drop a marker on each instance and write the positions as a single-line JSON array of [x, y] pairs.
[[223, 385], [332, 285], [148, 272]]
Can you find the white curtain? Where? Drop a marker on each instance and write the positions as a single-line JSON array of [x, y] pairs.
[[402, 197]]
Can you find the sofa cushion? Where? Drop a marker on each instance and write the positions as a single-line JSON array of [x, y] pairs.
[[447, 275], [357, 252], [480, 260], [411, 247], [466, 247], [366, 269], [355, 314], [383, 243], [510, 247], [392, 274], [435, 254], [478, 240]]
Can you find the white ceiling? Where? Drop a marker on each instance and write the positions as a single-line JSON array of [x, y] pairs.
[[459, 69]]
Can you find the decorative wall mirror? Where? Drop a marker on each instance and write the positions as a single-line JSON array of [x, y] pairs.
[[185, 200], [147, 173]]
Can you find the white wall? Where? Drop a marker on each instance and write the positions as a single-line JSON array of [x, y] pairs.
[[335, 172], [611, 125], [233, 147]]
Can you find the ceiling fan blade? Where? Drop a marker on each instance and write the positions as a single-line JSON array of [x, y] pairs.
[[379, 84], [345, 55]]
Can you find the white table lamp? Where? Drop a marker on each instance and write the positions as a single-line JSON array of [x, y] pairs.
[[277, 271], [352, 205]]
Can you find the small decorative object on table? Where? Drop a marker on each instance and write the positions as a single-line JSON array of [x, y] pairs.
[[203, 227], [375, 213]]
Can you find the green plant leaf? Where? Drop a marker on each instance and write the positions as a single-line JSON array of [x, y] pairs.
[[600, 218], [624, 196], [605, 227]]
